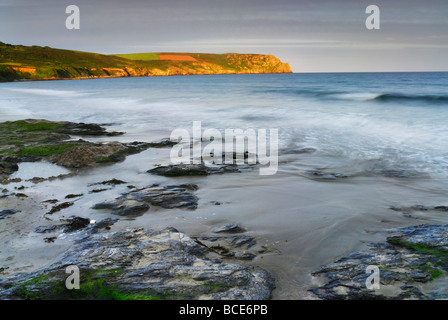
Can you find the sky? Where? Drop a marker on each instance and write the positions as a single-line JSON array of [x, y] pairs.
[[312, 35]]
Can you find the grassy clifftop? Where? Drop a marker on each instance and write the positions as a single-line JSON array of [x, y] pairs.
[[39, 63]]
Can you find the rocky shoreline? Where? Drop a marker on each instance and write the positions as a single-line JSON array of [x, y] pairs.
[[128, 263], [118, 262], [412, 264], [142, 265]]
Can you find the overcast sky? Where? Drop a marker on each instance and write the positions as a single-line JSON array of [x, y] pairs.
[[312, 35]]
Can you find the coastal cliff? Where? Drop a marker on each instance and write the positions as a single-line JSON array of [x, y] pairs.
[[43, 63]]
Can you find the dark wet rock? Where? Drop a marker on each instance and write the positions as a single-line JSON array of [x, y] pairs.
[[229, 228], [420, 208], [126, 208], [411, 208], [85, 129], [320, 175], [7, 167], [20, 195], [168, 197], [300, 151], [71, 196], [60, 207], [111, 182], [411, 258], [69, 225], [137, 202], [98, 190], [37, 179], [50, 239], [164, 143], [166, 264], [45, 229], [51, 201], [229, 246], [75, 223], [177, 170], [103, 224], [398, 173], [7, 212]]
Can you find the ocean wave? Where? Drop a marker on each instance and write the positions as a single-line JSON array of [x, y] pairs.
[[390, 97], [363, 96], [386, 97]]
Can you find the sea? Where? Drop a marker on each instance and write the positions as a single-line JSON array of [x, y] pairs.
[[351, 148]]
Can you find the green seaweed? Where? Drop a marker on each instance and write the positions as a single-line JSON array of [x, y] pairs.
[[95, 285], [45, 150], [436, 257], [419, 247], [24, 126]]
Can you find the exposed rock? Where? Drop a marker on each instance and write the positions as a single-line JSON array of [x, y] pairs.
[[7, 212], [71, 224], [98, 190], [86, 154], [176, 170], [59, 207], [141, 264], [85, 129], [411, 258], [162, 144], [137, 202], [320, 175], [53, 201], [420, 208], [229, 246], [233, 246], [45, 229], [103, 224], [110, 182], [20, 195], [75, 223], [50, 239], [398, 173], [228, 228], [37, 139], [71, 196]]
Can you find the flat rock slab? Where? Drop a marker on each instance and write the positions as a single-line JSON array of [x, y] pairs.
[[229, 228], [145, 264], [409, 264], [137, 202], [177, 170]]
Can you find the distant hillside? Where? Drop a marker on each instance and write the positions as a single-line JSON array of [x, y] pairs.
[[40, 63]]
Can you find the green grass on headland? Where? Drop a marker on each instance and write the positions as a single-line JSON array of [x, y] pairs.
[[139, 56], [19, 62]]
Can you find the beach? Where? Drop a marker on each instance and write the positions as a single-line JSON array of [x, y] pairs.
[[352, 147]]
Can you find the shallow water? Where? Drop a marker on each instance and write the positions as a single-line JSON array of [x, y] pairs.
[[386, 132]]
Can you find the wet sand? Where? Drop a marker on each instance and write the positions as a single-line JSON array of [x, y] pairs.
[[304, 223]]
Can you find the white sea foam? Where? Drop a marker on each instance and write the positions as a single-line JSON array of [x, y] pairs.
[[49, 92], [364, 96]]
